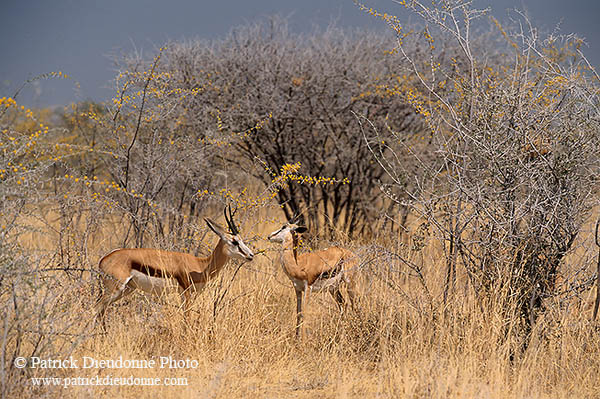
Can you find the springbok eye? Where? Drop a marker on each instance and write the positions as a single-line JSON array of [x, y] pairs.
[[234, 242]]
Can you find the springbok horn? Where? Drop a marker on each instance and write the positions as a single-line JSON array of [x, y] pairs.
[[294, 218], [227, 219], [230, 223]]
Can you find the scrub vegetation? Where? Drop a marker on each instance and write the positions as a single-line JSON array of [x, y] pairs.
[[456, 157]]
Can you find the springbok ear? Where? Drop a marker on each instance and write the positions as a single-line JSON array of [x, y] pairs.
[[300, 229], [220, 231]]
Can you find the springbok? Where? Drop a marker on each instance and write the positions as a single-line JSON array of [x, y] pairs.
[[155, 271], [324, 270]]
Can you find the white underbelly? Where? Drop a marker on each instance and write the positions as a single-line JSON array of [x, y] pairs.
[[153, 285], [159, 285], [330, 284]]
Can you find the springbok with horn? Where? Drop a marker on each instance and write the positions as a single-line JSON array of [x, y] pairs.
[[324, 270], [155, 271]]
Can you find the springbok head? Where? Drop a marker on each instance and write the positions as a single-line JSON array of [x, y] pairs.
[[234, 245], [288, 231]]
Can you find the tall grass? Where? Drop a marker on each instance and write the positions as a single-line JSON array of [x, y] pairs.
[[399, 341]]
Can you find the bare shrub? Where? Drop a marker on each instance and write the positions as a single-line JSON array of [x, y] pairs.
[[150, 155], [291, 99], [37, 280], [515, 132]]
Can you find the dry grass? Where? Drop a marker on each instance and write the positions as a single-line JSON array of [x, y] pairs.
[[392, 345]]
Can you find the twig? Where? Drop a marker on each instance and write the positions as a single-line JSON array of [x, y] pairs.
[[597, 302]]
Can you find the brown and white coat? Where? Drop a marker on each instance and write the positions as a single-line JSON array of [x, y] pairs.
[[324, 270], [155, 271]]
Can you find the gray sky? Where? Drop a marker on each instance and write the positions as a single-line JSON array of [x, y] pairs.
[[77, 37]]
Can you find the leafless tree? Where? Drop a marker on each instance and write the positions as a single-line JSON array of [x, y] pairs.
[[153, 152], [516, 133], [291, 98]]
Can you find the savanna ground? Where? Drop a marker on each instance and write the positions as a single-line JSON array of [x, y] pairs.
[[461, 168], [393, 344]]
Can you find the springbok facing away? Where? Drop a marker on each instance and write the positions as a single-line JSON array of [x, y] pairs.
[[324, 270], [155, 271]]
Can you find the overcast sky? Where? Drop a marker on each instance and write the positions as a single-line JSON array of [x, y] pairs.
[[78, 37]]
